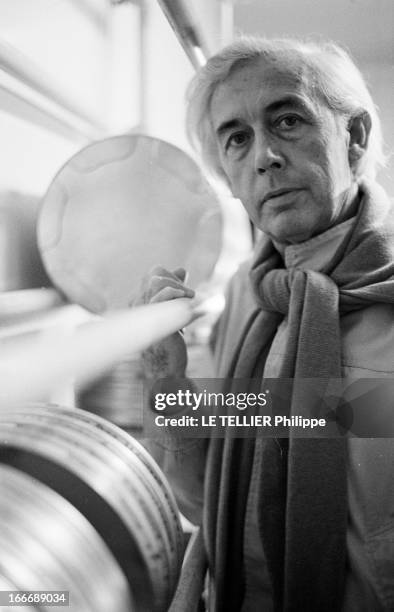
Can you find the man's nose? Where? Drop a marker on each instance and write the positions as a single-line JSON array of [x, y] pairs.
[[267, 155]]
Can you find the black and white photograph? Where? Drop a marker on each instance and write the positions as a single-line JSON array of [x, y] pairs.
[[197, 305]]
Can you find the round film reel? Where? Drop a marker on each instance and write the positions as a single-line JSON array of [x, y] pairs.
[[112, 481], [46, 544], [119, 207]]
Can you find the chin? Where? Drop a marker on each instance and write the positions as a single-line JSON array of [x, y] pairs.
[[288, 231]]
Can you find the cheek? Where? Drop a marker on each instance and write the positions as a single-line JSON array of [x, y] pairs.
[[238, 181], [330, 160], [318, 168]]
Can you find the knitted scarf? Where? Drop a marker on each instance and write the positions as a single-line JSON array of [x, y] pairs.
[[302, 490]]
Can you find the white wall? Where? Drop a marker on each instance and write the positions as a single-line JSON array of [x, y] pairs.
[[380, 78]]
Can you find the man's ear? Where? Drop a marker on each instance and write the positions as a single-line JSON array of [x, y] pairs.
[[359, 127]]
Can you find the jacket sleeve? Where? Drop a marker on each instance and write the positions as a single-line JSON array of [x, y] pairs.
[[183, 460]]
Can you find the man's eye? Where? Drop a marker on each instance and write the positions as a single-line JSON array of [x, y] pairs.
[[288, 122], [237, 140]]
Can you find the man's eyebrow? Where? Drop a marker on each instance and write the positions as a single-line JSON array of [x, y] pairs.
[[227, 125], [290, 100]]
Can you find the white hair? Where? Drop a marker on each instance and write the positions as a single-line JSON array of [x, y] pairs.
[[333, 77]]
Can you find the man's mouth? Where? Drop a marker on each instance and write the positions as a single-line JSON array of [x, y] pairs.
[[276, 193]]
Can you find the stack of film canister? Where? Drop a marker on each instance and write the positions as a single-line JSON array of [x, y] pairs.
[[84, 509]]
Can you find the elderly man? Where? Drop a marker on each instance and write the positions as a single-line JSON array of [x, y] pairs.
[[295, 525]]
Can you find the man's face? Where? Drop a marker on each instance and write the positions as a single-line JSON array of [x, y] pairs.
[[284, 153]]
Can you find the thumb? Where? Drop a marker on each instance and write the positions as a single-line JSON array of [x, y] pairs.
[[180, 273]]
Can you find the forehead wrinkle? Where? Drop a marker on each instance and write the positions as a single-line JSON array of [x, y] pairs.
[[296, 71], [275, 69]]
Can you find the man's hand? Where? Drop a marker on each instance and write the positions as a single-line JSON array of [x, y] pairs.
[[168, 358]]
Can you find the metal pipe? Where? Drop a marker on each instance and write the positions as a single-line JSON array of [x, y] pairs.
[[23, 80], [186, 29]]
